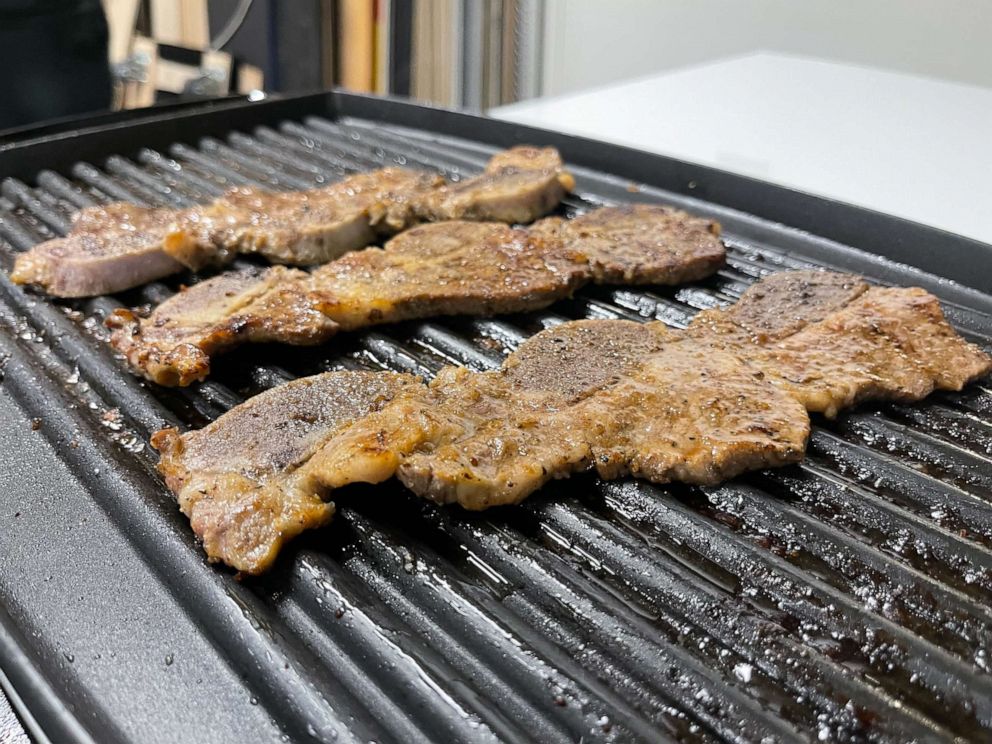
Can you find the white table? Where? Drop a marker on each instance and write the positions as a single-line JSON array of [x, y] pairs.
[[914, 147]]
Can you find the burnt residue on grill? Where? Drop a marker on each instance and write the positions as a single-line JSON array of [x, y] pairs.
[[847, 598]]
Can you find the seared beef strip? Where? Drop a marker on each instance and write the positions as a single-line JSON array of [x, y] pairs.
[[483, 439], [239, 479], [783, 303], [682, 411], [109, 249], [519, 185], [119, 246], [727, 395], [831, 341], [641, 243], [440, 269], [299, 227], [113, 248], [448, 268], [174, 346]]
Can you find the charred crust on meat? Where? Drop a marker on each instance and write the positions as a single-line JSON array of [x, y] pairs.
[[699, 405]]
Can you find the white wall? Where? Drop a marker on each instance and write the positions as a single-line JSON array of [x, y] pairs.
[[594, 42]]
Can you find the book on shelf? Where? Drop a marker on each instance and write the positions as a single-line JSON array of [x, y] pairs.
[[356, 41], [471, 54]]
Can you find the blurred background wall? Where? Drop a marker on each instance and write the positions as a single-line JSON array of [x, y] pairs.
[[472, 54], [589, 42], [478, 54]]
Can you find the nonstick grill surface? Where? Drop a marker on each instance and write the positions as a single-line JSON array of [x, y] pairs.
[[846, 598]]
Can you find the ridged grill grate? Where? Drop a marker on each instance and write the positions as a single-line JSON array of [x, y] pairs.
[[847, 597]]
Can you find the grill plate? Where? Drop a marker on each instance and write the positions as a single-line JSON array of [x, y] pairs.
[[846, 598]]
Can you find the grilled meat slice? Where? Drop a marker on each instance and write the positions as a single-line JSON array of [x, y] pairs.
[[456, 267], [642, 243], [440, 269], [508, 407], [447, 268], [479, 439], [831, 341], [108, 249], [727, 395], [240, 479], [782, 304], [519, 185], [120, 246], [300, 227], [489, 437], [255, 305], [682, 411], [251, 480], [575, 359]]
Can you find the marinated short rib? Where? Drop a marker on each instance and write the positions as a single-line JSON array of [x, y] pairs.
[[255, 305], [832, 341], [519, 185], [446, 268], [642, 243], [300, 227], [120, 246], [239, 480], [455, 267], [480, 439], [782, 304], [680, 411], [108, 249], [725, 396], [518, 411]]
